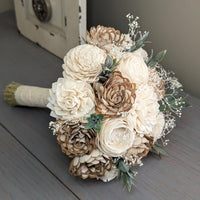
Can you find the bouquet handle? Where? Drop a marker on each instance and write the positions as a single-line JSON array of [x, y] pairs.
[[17, 94]]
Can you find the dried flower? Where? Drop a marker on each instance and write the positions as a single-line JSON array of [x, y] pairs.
[[109, 175], [115, 97], [102, 36], [140, 148], [93, 165], [133, 25], [74, 139]]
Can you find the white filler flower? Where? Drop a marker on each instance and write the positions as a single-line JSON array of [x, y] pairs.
[[84, 62], [116, 137], [71, 100]]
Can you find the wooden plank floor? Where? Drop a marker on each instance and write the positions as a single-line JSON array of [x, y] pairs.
[[26, 139], [22, 176]]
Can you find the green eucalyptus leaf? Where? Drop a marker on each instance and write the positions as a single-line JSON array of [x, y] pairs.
[[127, 182], [125, 172], [107, 69], [114, 61], [158, 150], [123, 167], [160, 56], [140, 42], [109, 61], [88, 126], [186, 104], [173, 101], [150, 57], [119, 174], [157, 59], [94, 122]]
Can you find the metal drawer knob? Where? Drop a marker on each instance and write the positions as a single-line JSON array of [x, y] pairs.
[[42, 10]]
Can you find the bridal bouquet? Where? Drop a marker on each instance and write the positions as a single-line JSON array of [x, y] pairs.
[[112, 105]]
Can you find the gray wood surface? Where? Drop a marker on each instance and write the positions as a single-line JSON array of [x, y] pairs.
[[175, 177], [22, 176]]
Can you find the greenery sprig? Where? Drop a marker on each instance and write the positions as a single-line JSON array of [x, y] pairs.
[[140, 42], [107, 69], [125, 173], [94, 122], [158, 150], [173, 101], [153, 61]]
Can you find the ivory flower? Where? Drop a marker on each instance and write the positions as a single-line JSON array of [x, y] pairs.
[[84, 63], [142, 53], [133, 67], [158, 128], [71, 100], [145, 110], [140, 148], [116, 137]]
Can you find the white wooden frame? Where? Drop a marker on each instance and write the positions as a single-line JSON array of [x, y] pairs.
[[65, 29]]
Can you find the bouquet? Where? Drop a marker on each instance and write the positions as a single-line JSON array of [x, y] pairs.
[[113, 105]]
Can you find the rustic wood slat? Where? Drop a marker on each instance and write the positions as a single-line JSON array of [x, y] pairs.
[[23, 177], [174, 177]]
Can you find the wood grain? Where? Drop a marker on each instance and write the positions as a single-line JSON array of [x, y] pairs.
[[24, 177], [175, 177]]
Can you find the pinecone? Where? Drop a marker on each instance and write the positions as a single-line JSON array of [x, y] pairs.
[[102, 36], [75, 140], [93, 165], [115, 97], [141, 147]]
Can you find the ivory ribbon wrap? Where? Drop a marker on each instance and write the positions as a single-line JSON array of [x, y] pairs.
[[17, 94], [32, 96]]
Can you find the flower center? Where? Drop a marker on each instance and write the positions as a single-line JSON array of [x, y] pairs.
[[119, 139]]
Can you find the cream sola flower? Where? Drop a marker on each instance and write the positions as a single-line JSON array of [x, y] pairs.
[[84, 63], [133, 67], [71, 100], [144, 142], [140, 148], [142, 53], [157, 131], [145, 110], [116, 136]]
